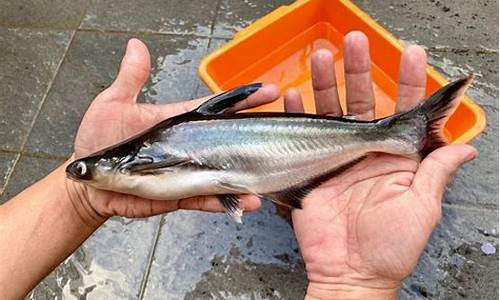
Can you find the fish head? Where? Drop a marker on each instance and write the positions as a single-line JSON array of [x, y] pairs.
[[124, 168], [97, 170], [101, 169]]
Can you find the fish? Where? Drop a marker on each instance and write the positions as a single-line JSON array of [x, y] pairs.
[[277, 156]]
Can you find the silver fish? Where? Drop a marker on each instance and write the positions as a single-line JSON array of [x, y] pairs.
[[276, 156]]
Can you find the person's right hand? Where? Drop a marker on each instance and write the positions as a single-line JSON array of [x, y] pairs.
[[115, 115], [362, 233]]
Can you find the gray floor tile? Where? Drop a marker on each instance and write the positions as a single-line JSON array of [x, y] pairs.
[[454, 24], [207, 256], [201, 89], [60, 14], [235, 15], [109, 265], [27, 171], [171, 16], [452, 265], [6, 164], [28, 63], [91, 64]]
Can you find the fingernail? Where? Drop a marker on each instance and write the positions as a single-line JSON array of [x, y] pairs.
[[129, 44], [271, 89], [323, 54]]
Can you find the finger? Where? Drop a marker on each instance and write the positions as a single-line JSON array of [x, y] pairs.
[[131, 206], [293, 101], [437, 169], [266, 94], [412, 78], [357, 65], [326, 96], [134, 71], [212, 204]]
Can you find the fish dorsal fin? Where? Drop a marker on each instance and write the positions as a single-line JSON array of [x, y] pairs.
[[292, 197], [221, 103]]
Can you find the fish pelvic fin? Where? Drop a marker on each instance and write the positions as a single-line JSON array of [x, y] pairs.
[[223, 103], [434, 111], [231, 204], [293, 196]]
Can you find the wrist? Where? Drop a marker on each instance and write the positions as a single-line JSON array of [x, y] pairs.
[[77, 194], [327, 291]]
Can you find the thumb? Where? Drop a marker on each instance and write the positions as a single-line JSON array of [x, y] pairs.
[[437, 169], [134, 71]]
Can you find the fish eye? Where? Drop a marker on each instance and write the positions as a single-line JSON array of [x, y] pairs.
[[82, 167], [78, 169]]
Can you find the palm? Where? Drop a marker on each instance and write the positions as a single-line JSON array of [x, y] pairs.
[[365, 217], [114, 124]]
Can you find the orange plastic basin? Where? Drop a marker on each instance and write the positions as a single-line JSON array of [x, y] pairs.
[[276, 49]]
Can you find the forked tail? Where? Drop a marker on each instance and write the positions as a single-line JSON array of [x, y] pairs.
[[435, 111]]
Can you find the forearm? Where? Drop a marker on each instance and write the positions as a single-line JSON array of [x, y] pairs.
[[39, 228]]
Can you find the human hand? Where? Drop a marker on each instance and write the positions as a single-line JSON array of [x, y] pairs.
[[362, 232], [114, 116]]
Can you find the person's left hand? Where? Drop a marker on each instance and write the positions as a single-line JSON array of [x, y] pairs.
[[362, 232], [115, 115]]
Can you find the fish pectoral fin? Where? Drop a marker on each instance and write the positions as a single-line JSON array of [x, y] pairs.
[[222, 103], [159, 164], [293, 196], [231, 204]]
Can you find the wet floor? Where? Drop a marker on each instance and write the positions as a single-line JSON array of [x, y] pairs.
[[65, 52]]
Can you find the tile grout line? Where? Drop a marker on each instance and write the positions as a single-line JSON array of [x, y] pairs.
[[147, 272], [118, 31], [7, 151], [199, 82], [145, 277], [481, 208], [210, 37], [34, 154], [9, 174], [217, 9], [37, 113], [166, 33]]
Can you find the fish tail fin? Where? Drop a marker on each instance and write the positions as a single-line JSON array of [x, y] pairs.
[[435, 111]]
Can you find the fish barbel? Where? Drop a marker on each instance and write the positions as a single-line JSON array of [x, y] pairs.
[[276, 156]]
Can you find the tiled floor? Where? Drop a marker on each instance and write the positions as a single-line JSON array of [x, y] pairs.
[[57, 55]]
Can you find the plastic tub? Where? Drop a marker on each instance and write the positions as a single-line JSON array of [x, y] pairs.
[[276, 49]]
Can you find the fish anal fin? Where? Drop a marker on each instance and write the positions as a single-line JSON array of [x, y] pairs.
[[293, 196], [222, 103], [231, 204]]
